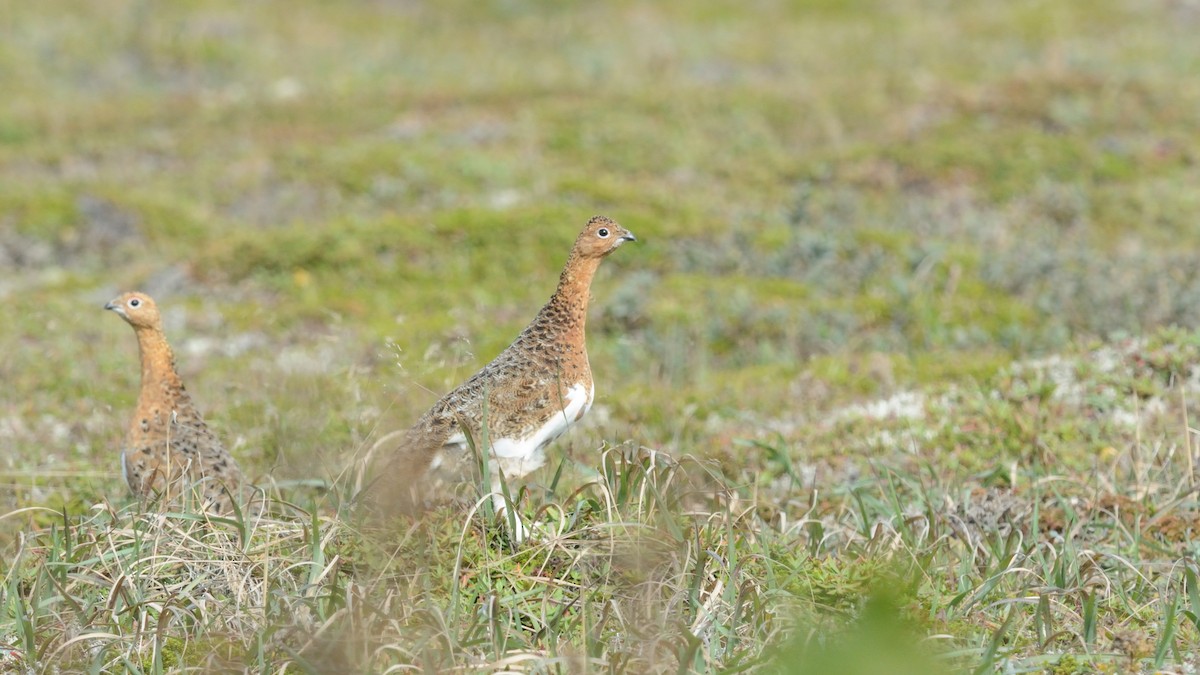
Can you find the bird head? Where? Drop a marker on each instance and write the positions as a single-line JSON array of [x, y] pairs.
[[601, 237], [138, 309]]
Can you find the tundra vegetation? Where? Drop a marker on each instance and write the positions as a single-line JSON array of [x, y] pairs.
[[902, 375]]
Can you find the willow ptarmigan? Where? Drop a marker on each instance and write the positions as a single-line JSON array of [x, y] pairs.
[[534, 390], [168, 447]]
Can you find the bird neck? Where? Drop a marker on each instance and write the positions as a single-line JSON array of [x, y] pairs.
[[570, 302], [158, 363]]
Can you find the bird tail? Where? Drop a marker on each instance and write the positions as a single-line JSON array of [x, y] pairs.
[[394, 478]]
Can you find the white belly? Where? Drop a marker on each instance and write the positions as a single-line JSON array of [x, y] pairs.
[[520, 456], [578, 400]]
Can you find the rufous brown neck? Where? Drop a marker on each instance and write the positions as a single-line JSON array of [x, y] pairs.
[[158, 362], [574, 291]]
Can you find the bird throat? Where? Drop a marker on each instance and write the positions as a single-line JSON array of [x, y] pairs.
[[570, 302], [158, 365]]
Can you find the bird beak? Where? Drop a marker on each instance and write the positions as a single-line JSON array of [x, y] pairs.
[[109, 305], [628, 236]]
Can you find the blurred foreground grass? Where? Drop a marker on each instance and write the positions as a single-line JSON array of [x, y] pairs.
[[900, 288]]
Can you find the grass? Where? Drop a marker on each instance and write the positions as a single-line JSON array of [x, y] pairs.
[[904, 364]]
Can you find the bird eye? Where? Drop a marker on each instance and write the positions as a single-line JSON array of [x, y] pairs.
[[603, 232], [135, 302]]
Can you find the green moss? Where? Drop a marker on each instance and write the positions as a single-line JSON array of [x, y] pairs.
[[1069, 664], [49, 212]]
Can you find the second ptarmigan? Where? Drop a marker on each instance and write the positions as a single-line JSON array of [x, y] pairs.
[[169, 449], [534, 390]]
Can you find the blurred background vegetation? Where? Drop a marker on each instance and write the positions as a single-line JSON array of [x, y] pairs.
[[346, 208]]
